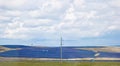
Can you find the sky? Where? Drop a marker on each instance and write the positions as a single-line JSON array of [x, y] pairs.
[[43, 22]]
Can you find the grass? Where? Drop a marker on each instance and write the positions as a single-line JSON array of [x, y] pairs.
[[42, 63]]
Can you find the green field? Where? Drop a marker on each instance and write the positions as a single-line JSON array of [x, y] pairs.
[[41, 63]]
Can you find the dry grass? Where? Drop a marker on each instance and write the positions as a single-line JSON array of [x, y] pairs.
[[104, 49], [51, 63]]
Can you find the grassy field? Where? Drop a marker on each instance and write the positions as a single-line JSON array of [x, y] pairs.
[[41, 63]]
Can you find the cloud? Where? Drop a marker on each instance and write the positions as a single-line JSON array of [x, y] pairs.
[[28, 19], [4, 18], [12, 3], [115, 3], [13, 13], [79, 4]]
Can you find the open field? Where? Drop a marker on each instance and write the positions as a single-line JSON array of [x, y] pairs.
[[103, 49], [4, 49], [53, 63]]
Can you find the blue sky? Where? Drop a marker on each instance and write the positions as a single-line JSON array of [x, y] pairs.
[[42, 22]]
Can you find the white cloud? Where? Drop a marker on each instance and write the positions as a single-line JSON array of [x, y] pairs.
[[12, 3], [87, 15], [4, 18], [19, 29], [35, 13], [114, 26], [12, 31], [52, 5], [14, 13], [37, 22], [79, 4], [69, 14], [46, 19], [115, 3]]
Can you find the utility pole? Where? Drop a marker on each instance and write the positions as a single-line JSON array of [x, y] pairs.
[[61, 50], [31, 49]]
